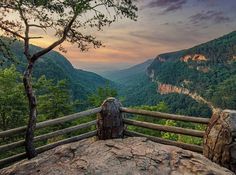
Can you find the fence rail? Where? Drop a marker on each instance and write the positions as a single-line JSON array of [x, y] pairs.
[[171, 129], [10, 146], [165, 115], [52, 122], [191, 147], [21, 143], [110, 124]]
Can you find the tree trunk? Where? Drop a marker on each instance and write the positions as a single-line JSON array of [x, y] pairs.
[[29, 139]]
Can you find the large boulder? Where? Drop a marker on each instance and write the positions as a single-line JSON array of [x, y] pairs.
[[220, 139], [133, 155]]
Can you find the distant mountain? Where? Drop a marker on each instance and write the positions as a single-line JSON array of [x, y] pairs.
[[56, 66], [193, 81], [121, 76]]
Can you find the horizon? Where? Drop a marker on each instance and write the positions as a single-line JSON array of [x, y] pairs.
[[162, 26], [144, 60]]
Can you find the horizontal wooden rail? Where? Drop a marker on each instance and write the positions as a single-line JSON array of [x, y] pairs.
[[48, 135], [21, 156], [165, 115], [172, 129], [52, 122], [190, 147]]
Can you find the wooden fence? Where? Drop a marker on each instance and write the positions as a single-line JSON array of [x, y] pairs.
[[110, 124]]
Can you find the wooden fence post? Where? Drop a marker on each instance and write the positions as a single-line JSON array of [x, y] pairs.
[[220, 139], [110, 120]]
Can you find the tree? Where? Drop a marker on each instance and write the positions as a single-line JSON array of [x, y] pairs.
[[67, 19], [102, 94], [55, 99]]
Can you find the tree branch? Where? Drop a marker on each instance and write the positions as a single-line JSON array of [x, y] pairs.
[[35, 37], [11, 32], [39, 26], [26, 38], [56, 43]]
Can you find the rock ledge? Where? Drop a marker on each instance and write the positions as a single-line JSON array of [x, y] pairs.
[[130, 156]]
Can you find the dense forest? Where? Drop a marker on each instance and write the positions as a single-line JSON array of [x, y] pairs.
[[213, 78], [56, 67]]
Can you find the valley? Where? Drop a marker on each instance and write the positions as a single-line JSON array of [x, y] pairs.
[[202, 78]]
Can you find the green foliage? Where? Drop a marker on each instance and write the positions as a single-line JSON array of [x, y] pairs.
[[213, 79], [54, 99], [13, 105], [141, 90], [220, 50], [5, 51], [80, 83], [224, 94], [102, 93], [162, 107]]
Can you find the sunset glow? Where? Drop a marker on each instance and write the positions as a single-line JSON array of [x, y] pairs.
[[162, 26]]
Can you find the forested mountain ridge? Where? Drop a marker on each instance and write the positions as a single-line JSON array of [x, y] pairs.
[[121, 76], [206, 71], [57, 67]]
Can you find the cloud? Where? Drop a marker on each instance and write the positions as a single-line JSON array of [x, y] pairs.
[[209, 16], [183, 37], [167, 5]]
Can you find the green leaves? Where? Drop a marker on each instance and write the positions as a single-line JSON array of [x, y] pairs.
[[13, 104], [5, 51], [101, 94], [54, 99], [162, 107]]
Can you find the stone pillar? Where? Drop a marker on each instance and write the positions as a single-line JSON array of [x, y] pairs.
[[110, 121], [220, 139]]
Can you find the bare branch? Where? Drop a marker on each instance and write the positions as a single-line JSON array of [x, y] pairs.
[[56, 43], [40, 26], [12, 32], [35, 37]]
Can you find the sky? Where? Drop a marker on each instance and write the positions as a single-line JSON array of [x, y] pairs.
[[162, 26]]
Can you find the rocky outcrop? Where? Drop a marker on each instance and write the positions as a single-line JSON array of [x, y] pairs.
[[132, 156], [161, 59], [195, 57], [203, 69], [234, 58], [168, 88], [151, 75], [220, 139]]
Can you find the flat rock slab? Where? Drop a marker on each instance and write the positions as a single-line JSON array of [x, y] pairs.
[[130, 156]]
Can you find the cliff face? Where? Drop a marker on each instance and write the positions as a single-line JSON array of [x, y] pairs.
[[168, 88], [195, 57], [119, 156]]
